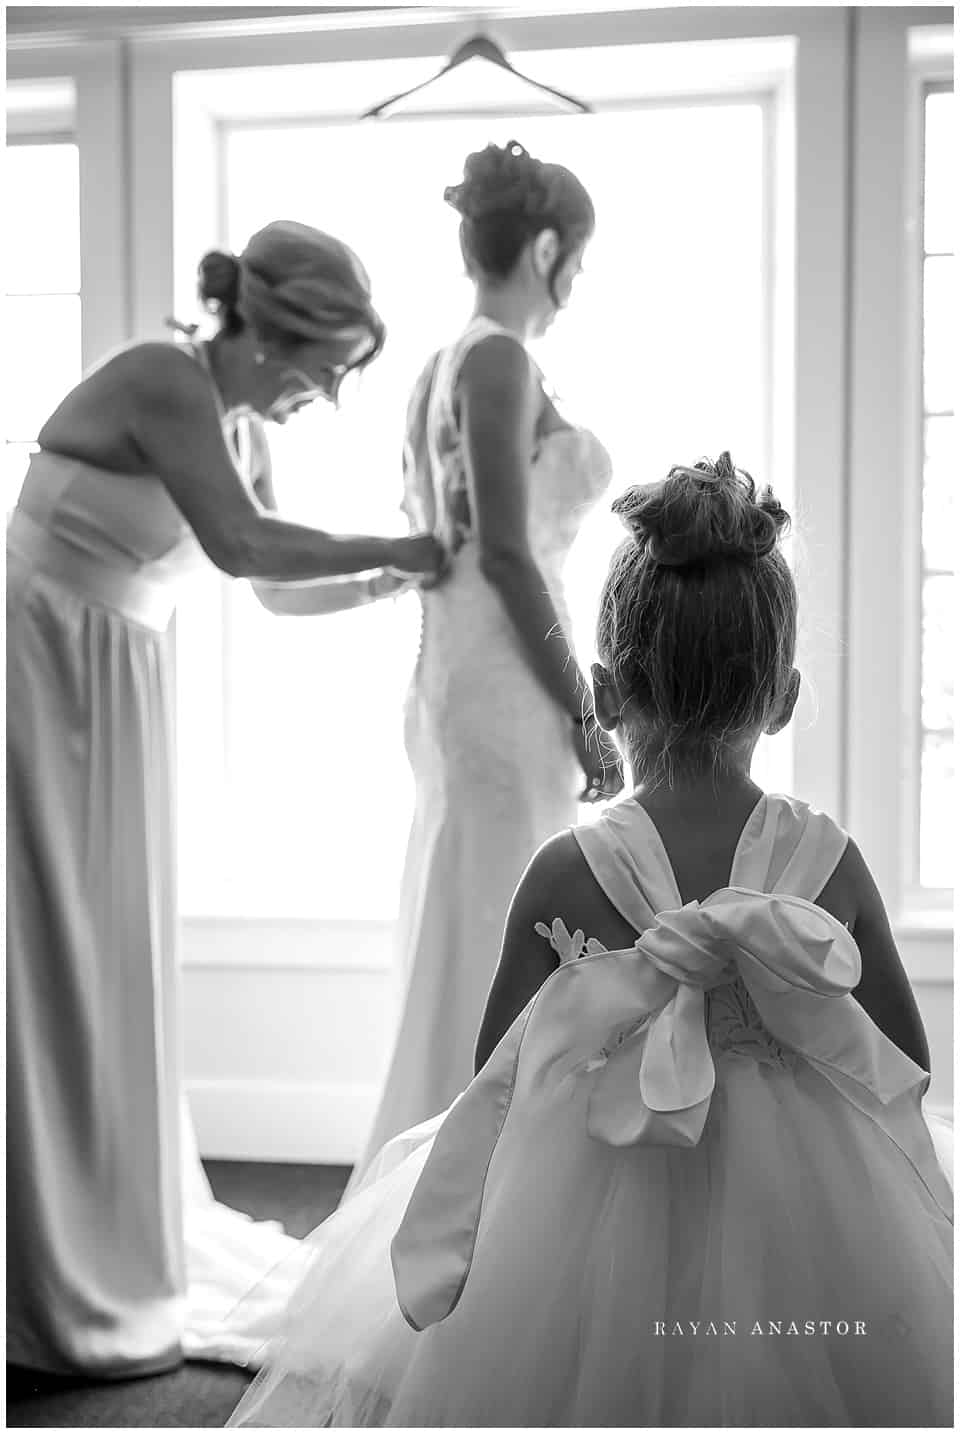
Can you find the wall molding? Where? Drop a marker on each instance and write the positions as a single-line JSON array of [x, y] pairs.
[[212, 943], [305, 1122], [286, 943], [311, 1123]]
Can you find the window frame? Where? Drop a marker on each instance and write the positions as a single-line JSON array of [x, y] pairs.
[[204, 122], [97, 72], [898, 51], [41, 126], [126, 123], [809, 357], [307, 1096], [808, 338], [929, 74]]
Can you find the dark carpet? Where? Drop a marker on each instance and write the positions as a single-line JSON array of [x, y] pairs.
[[195, 1396]]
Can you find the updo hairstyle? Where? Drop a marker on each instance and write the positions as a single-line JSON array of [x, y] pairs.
[[293, 285], [698, 616], [506, 198]]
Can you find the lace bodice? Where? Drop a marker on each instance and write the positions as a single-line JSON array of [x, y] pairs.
[[569, 467]]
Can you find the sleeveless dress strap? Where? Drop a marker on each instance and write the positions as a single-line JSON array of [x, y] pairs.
[[419, 495], [436, 483], [452, 358], [789, 848], [785, 847], [629, 863]]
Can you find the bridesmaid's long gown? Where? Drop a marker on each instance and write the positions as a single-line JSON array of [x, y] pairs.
[[119, 1261]]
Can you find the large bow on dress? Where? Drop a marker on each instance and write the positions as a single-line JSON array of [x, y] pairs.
[[632, 1025]]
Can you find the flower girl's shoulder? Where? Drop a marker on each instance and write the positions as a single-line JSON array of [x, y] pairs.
[[561, 902]]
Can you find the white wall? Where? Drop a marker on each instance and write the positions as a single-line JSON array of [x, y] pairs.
[[284, 1060]]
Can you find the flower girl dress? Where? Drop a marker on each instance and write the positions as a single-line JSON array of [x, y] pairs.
[[693, 1186]]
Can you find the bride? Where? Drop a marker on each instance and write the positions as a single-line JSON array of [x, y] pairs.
[[499, 730]]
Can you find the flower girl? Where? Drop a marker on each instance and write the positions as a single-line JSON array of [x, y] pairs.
[[691, 1183]]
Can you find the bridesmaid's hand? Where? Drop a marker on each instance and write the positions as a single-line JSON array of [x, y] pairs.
[[390, 584], [600, 762], [459, 537], [422, 553]]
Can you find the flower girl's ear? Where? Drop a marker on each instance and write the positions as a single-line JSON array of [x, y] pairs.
[[606, 698], [784, 710]]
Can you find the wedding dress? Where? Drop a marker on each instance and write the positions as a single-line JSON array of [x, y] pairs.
[[491, 751]]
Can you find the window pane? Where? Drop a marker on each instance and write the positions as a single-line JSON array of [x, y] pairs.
[[938, 610], [939, 494], [16, 456], [772, 766], [940, 173], [42, 226], [41, 359], [312, 750], [204, 867], [336, 793], [939, 328], [937, 813], [938, 652]]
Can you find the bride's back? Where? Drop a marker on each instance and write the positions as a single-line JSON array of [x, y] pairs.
[[569, 468]]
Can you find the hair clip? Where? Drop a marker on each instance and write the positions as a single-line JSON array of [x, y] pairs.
[[190, 330]]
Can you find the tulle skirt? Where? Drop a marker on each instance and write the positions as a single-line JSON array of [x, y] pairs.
[[791, 1269]]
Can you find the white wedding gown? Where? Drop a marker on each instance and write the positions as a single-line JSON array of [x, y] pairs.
[[491, 752]]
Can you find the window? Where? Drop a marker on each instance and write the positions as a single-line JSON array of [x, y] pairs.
[[311, 757], [935, 813], [42, 303]]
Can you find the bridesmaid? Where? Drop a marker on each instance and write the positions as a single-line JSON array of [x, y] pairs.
[[133, 484]]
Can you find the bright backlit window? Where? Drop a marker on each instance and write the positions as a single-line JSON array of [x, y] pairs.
[[295, 792], [936, 815], [41, 350]]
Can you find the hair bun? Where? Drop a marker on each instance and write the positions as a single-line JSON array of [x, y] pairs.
[[218, 280], [704, 514], [497, 179]]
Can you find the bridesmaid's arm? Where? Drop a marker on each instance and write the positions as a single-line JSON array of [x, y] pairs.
[[174, 423], [316, 598], [331, 595]]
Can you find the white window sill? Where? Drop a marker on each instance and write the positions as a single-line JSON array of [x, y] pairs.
[[925, 925]]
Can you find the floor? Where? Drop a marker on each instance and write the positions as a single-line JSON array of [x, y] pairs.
[[196, 1396]]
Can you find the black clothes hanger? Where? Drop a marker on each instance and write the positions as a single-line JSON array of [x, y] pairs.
[[480, 47]]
